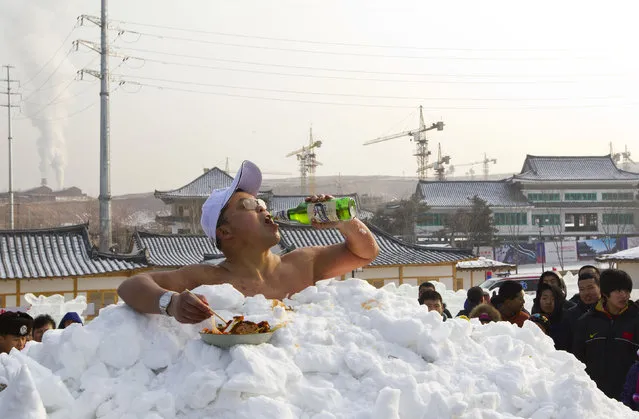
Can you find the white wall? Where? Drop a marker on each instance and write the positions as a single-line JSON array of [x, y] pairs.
[[632, 268]]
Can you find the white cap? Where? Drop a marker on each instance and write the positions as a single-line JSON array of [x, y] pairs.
[[248, 178]]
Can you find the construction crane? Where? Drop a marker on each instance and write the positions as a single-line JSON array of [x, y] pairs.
[[624, 156], [438, 166], [486, 162], [307, 159], [421, 143]]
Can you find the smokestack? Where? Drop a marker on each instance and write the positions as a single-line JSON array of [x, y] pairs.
[[43, 181]]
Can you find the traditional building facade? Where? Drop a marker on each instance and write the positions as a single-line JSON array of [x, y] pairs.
[[63, 261], [567, 198]]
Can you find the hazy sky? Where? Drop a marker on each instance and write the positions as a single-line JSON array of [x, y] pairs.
[[550, 78]]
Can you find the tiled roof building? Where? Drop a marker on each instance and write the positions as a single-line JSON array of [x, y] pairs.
[[58, 252]]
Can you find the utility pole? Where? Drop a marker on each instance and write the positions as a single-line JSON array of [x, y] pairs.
[[9, 136], [105, 148], [105, 152]]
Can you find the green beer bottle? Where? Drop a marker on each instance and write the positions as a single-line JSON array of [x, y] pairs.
[[336, 209]]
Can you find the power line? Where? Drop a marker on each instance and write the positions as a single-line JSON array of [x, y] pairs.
[[324, 77], [369, 105], [50, 75], [416, 98], [52, 57], [351, 54], [269, 38], [298, 67]]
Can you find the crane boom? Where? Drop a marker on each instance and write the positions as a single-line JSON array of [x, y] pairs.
[[305, 148], [412, 133]]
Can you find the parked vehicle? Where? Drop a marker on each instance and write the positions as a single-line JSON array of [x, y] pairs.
[[528, 282]]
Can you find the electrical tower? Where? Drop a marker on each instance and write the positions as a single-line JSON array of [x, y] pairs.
[[308, 162], [10, 138], [105, 123], [421, 143]]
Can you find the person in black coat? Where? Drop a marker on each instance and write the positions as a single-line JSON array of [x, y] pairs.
[[549, 301], [589, 294], [606, 338]]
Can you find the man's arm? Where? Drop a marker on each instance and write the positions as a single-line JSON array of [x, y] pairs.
[[142, 292], [359, 249]]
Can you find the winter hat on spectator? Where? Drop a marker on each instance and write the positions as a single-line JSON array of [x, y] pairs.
[[15, 323]]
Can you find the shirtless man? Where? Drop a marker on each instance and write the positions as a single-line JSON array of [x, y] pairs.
[[245, 232]]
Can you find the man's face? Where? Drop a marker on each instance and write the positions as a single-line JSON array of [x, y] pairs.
[[37, 333], [8, 342], [434, 305], [618, 299], [589, 291], [248, 222], [515, 304]]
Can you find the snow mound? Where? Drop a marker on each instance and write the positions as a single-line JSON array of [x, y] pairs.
[[348, 350]]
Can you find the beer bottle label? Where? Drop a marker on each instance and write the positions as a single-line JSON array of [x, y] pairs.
[[322, 212]]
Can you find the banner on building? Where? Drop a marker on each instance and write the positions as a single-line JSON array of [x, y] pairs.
[[632, 242], [561, 253], [517, 253], [590, 249]]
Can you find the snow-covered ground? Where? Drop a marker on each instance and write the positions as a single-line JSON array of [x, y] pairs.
[[348, 350]]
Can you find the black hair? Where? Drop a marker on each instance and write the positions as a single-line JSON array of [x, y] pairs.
[[560, 280], [426, 285], [614, 280], [43, 319], [430, 295], [221, 220], [587, 275], [594, 268], [507, 291]]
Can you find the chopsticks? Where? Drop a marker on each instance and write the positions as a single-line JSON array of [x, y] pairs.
[[210, 309]]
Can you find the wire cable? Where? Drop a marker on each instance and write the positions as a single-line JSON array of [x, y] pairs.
[[51, 58], [416, 98]]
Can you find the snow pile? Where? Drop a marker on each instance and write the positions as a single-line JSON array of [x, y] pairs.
[[628, 254], [348, 350]]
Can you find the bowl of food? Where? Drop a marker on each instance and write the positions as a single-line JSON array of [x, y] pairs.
[[238, 332]]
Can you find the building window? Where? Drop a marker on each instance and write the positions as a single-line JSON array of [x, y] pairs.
[[618, 219], [580, 196], [616, 196], [431, 219], [536, 197], [180, 211], [547, 219], [510, 218], [581, 222]]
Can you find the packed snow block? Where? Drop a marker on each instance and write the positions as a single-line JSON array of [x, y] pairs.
[[221, 297], [21, 399]]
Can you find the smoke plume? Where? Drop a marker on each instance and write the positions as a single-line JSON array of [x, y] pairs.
[[34, 30]]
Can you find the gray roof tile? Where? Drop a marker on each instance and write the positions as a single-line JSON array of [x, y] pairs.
[[174, 250], [200, 187], [459, 193], [57, 252], [562, 168], [392, 251]]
